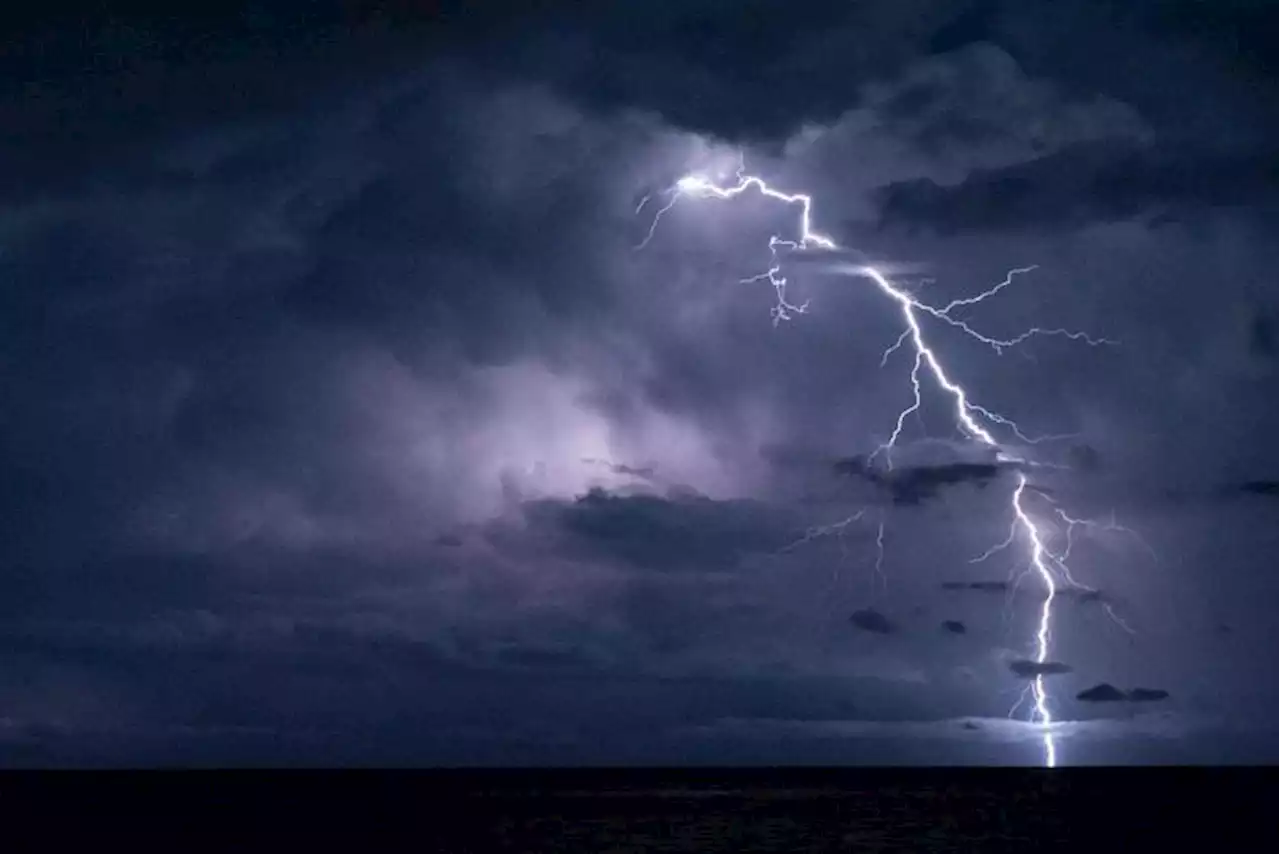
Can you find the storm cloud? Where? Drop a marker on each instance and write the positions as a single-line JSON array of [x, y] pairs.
[[344, 419], [1084, 184]]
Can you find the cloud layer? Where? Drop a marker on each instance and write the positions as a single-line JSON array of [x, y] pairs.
[[344, 405]]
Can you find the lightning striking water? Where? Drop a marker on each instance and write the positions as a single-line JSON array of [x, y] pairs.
[[976, 421]]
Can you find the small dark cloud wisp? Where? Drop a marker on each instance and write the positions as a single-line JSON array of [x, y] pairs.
[[1148, 695], [871, 620], [1027, 669], [914, 484], [1259, 487], [1104, 692], [978, 586]]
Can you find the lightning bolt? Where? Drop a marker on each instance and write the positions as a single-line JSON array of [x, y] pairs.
[[838, 529], [972, 419]]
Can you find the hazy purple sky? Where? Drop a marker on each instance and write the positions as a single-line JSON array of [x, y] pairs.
[[342, 421]]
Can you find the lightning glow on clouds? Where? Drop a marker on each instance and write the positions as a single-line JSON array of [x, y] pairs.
[[974, 420]]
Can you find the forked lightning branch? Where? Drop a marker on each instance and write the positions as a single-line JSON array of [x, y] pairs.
[[927, 368]]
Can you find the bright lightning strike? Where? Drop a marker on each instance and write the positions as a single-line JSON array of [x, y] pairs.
[[974, 420]]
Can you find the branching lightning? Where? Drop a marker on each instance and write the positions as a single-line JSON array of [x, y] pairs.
[[973, 420], [838, 529]]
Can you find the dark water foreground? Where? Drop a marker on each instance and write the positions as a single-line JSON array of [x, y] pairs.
[[740, 810], [917, 810]]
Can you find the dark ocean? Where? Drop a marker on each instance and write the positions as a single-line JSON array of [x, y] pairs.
[[640, 810], [873, 810]]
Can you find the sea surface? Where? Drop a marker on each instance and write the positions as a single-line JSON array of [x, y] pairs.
[[873, 810], [760, 809]]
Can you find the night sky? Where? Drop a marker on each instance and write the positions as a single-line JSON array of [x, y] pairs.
[[341, 421]]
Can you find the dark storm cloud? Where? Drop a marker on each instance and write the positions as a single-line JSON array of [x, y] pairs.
[[871, 620], [762, 71], [734, 74], [693, 533], [1084, 184], [198, 321], [1104, 692], [1224, 67], [131, 76], [326, 349], [1235, 30], [911, 485], [330, 645], [1101, 693], [246, 346]]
